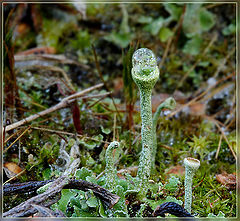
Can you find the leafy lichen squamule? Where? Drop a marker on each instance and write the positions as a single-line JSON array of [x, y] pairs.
[[110, 170], [145, 74]]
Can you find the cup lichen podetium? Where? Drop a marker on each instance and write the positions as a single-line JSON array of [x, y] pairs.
[[110, 170], [145, 74], [191, 165]]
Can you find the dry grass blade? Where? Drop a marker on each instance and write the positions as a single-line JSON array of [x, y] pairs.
[[197, 61], [5, 150], [67, 133], [200, 96], [219, 146], [17, 175], [223, 134]]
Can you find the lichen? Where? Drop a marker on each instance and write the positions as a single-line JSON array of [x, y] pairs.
[[110, 170], [191, 165], [145, 74]]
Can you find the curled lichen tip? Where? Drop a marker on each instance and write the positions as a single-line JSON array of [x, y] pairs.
[[145, 70], [192, 163], [170, 103]]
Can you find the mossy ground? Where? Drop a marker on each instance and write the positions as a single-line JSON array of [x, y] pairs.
[[190, 61]]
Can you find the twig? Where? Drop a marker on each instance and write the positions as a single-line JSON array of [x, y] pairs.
[[221, 65], [14, 188], [166, 147], [45, 199], [200, 96], [67, 133], [26, 208], [47, 57], [65, 102], [46, 212], [11, 136], [197, 61], [97, 95]]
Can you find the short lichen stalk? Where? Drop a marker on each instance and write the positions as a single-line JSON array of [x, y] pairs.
[[170, 104], [191, 165], [145, 74], [110, 170]]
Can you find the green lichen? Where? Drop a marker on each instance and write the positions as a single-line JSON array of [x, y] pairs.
[[191, 165], [110, 170], [44, 188], [169, 103], [145, 74]]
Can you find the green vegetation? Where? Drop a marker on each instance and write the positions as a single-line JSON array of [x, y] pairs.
[[75, 48]]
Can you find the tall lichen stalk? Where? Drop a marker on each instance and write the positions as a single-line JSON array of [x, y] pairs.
[[191, 165], [110, 170], [145, 74]]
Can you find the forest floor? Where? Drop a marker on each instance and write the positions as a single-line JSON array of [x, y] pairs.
[[53, 51]]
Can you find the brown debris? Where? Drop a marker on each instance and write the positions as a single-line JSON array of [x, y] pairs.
[[177, 170], [11, 169], [39, 50], [228, 180]]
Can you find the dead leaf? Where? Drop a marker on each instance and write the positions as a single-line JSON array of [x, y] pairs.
[[11, 169], [177, 170], [197, 109], [228, 180]]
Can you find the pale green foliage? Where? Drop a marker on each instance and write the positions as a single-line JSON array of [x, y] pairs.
[[172, 184], [105, 130], [43, 188], [197, 20], [124, 36], [219, 215], [159, 25], [229, 30], [165, 34], [91, 144], [193, 45], [199, 146]]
